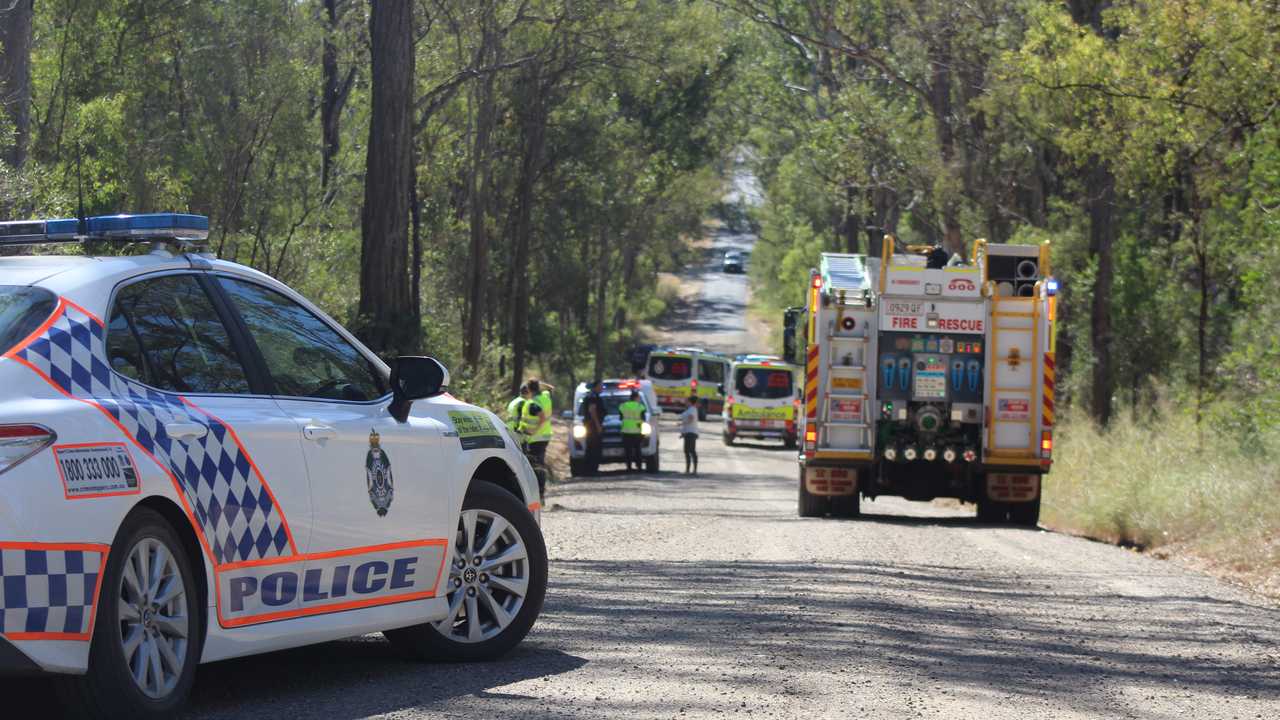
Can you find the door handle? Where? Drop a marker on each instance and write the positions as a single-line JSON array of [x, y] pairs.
[[186, 431], [318, 432]]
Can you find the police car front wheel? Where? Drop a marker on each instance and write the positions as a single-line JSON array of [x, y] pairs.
[[147, 634], [496, 583]]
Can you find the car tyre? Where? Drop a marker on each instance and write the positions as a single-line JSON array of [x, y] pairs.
[[154, 611], [811, 505], [490, 613], [651, 464], [702, 410]]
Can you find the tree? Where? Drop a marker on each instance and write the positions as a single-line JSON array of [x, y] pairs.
[[15, 76], [387, 314]]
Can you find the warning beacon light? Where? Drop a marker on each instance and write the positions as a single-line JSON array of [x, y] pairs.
[[1051, 287], [128, 228]]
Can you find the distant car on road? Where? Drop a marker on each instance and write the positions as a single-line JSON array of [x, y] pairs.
[[732, 262]]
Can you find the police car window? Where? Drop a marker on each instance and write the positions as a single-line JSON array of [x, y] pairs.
[[763, 383], [711, 371], [306, 357], [165, 332], [22, 310]]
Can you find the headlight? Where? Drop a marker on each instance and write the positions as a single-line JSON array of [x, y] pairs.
[[646, 428], [579, 432]]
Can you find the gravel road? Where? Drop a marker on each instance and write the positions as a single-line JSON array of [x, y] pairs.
[[707, 597]]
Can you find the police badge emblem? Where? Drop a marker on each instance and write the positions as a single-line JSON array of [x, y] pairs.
[[377, 471]]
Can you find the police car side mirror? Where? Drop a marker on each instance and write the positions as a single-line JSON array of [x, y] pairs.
[[415, 377]]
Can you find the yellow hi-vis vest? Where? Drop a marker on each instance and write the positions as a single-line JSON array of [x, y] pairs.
[[632, 416], [541, 401]]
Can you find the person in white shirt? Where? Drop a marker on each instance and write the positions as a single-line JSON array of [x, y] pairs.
[[689, 431]]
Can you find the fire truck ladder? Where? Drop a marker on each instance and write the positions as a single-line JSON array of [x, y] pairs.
[[1015, 340], [843, 414]]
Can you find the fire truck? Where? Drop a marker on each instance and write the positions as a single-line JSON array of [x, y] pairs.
[[927, 377]]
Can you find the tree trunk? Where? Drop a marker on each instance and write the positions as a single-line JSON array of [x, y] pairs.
[[535, 123], [15, 76], [940, 59], [334, 94], [479, 275], [387, 305], [602, 299], [1100, 203]]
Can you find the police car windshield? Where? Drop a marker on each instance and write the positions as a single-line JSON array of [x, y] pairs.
[[670, 368], [610, 402], [22, 309], [762, 383]]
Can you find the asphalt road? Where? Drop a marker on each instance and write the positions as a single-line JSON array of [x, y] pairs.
[[682, 597]]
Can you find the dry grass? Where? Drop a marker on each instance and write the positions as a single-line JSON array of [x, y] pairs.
[[1152, 485]]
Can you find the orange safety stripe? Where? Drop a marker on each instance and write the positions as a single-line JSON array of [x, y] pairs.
[[1049, 374]]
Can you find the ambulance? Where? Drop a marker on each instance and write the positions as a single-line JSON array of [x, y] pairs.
[[927, 377], [760, 400], [682, 372]]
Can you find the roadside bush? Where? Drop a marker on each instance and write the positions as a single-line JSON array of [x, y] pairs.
[[1155, 482]]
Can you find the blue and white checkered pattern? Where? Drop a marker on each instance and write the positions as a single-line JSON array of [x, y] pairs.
[[230, 501], [47, 591]]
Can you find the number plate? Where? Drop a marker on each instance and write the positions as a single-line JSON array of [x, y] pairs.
[[613, 452], [96, 470]]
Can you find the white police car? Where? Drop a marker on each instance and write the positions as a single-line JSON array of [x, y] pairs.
[[198, 464]]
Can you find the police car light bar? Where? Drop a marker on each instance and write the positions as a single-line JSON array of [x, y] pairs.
[[154, 226]]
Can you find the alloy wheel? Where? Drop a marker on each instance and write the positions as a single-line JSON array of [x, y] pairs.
[[488, 578], [154, 625]]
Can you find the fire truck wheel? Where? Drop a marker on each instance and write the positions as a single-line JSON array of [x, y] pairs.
[[810, 505], [848, 506], [990, 511], [1026, 514]]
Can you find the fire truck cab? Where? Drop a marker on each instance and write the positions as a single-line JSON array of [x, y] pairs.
[[927, 377]]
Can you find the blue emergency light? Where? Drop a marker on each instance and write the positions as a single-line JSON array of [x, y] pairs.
[[153, 226], [1051, 287]]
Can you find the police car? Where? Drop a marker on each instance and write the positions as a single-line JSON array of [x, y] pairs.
[[196, 463], [613, 394]]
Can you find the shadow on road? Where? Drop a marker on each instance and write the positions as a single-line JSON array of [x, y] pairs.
[[966, 629], [352, 678]]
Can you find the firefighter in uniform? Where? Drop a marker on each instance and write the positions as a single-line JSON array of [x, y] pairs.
[[633, 417]]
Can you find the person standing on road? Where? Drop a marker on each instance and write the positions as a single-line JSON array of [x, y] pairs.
[[689, 431], [633, 417], [538, 424], [593, 419]]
